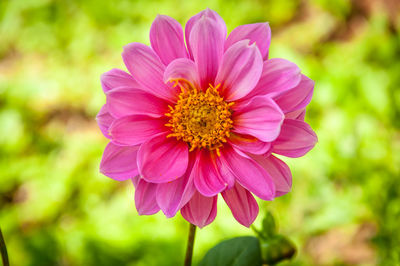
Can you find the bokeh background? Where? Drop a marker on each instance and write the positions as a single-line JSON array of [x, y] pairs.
[[57, 209]]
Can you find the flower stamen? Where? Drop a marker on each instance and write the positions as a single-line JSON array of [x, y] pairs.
[[202, 119]]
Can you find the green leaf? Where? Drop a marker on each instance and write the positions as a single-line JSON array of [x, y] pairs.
[[277, 249], [269, 228], [239, 251]]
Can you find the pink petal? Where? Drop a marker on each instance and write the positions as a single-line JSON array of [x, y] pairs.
[[298, 97], [205, 13], [171, 196], [136, 129], [125, 101], [145, 198], [242, 204], [297, 115], [295, 140], [240, 70], [260, 117], [147, 69], [166, 38], [116, 78], [301, 115], [278, 76], [225, 172], [182, 69], [104, 120], [258, 33], [207, 44], [279, 172], [200, 210], [249, 144], [249, 174], [162, 159], [206, 176], [119, 162], [135, 180]]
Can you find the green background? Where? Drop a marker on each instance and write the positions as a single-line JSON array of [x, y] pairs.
[[57, 209]]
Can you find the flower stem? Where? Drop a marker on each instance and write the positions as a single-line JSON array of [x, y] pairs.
[[3, 250], [190, 244]]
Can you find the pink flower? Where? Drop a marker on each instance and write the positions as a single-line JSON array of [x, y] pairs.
[[192, 121]]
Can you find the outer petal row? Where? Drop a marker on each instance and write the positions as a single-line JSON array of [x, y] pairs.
[[117, 78], [145, 197], [124, 101], [166, 38], [171, 196], [104, 120], [260, 117], [278, 76], [279, 172], [296, 139], [136, 129], [249, 173], [298, 97], [119, 162], [207, 46], [148, 70], [200, 210], [242, 204], [208, 13], [258, 33]]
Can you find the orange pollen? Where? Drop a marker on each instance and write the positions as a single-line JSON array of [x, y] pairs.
[[201, 119]]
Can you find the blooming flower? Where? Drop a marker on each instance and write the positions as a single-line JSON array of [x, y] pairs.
[[191, 121]]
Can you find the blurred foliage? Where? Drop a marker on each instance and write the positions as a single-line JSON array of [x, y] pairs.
[[56, 209]]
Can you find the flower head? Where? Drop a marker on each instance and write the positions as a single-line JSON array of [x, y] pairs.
[[192, 121]]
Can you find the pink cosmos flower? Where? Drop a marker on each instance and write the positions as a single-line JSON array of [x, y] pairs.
[[192, 121]]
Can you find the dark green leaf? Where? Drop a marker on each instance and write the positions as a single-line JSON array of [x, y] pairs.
[[239, 251]]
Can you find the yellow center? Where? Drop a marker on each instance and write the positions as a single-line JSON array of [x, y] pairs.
[[202, 119]]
